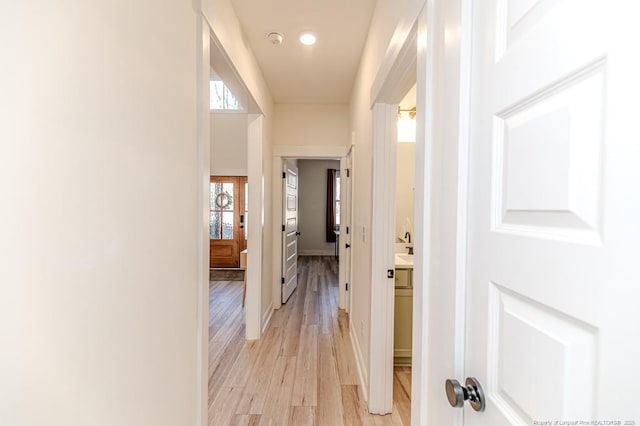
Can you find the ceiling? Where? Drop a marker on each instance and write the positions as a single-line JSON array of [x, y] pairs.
[[322, 73], [409, 100]]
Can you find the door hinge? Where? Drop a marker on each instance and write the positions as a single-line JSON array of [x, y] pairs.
[[346, 286], [283, 228], [284, 175], [390, 273], [347, 230], [348, 173], [282, 280]]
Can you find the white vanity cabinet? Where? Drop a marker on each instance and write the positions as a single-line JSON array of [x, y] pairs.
[[403, 316]]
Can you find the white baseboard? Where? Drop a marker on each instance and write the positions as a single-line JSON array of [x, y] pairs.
[[402, 353], [362, 371], [316, 253], [266, 318]]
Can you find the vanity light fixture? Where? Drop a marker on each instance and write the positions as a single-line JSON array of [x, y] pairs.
[[307, 38], [406, 125], [411, 112]]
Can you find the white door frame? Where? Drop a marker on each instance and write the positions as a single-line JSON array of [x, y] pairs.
[[383, 262], [441, 153], [442, 185], [346, 221], [256, 137], [255, 172], [388, 90], [204, 148], [281, 153]]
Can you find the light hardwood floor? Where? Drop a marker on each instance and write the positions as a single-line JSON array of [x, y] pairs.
[[302, 371]]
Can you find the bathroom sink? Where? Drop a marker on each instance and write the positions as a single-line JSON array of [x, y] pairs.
[[404, 261]]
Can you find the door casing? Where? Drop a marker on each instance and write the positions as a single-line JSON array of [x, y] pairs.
[[440, 205], [206, 43], [346, 228], [280, 154]]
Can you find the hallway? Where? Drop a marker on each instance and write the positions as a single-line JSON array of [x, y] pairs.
[[302, 371]]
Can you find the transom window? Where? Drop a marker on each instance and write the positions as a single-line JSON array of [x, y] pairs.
[[221, 98]]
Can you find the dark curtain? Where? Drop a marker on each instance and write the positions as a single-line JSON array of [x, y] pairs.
[[331, 205]]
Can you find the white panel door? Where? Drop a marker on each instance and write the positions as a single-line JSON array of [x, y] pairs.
[[290, 230], [553, 283]]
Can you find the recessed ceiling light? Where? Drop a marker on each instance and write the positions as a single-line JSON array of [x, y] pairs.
[[307, 39]]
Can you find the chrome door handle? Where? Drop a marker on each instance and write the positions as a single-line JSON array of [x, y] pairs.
[[472, 392]]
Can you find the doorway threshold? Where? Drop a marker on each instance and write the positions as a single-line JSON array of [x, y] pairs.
[[226, 274]]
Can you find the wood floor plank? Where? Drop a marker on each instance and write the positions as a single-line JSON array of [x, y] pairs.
[[302, 416], [223, 406], [310, 312], [294, 321], [255, 393], [329, 410], [245, 420], [403, 375], [326, 317], [278, 406], [402, 393], [221, 340], [353, 411], [302, 371], [305, 386], [220, 369], [347, 369], [240, 370]]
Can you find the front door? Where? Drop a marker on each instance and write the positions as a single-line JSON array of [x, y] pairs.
[[227, 221], [290, 230], [552, 329]]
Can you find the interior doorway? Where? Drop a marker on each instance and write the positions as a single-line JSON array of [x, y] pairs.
[[341, 156], [311, 212], [398, 278]]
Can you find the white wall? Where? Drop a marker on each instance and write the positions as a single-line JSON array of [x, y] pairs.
[[311, 125], [389, 16], [98, 278], [312, 206], [228, 144], [405, 188]]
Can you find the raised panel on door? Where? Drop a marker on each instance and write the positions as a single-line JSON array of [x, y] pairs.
[[541, 255]]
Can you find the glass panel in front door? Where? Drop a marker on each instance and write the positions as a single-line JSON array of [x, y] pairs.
[[221, 215]]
